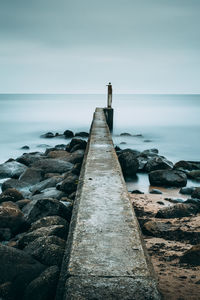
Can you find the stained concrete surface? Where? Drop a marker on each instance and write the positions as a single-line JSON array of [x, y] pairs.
[[105, 255]]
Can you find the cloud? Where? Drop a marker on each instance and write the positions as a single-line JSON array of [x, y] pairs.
[[140, 44]]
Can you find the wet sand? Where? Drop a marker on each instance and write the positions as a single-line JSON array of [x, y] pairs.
[[176, 281]]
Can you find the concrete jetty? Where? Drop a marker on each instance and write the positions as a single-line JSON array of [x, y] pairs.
[[105, 256]]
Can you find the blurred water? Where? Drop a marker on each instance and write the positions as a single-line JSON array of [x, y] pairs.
[[170, 123]]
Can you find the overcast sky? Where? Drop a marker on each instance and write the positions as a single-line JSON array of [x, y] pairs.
[[66, 46]]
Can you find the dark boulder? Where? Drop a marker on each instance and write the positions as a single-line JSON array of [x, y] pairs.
[[69, 184], [76, 169], [48, 135], [29, 158], [38, 209], [11, 169], [158, 163], [19, 185], [5, 234], [191, 256], [195, 175], [18, 268], [47, 183], [25, 147], [11, 195], [53, 165], [11, 217], [155, 191], [75, 157], [179, 210], [58, 154], [49, 221], [129, 163], [77, 144], [150, 152], [186, 190], [47, 250], [125, 134], [187, 165], [82, 134], [22, 203], [196, 193], [57, 230], [167, 178], [48, 193], [44, 286], [32, 176], [156, 228], [68, 134]]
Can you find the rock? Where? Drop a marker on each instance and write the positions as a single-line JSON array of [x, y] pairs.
[[11, 169], [21, 186], [29, 158], [186, 190], [49, 221], [38, 209], [129, 163], [191, 256], [77, 144], [73, 158], [22, 203], [11, 195], [47, 135], [53, 165], [48, 193], [179, 210], [175, 200], [25, 147], [158, 163], [187, 165], [136, 192], [193, 201], [123, 143], [57, 230], [68, 134], [11, 217], [125, 134], [59, 154], [60, 147], [195, 174], [32, 176], [18, 268], [44, 286], [5, 234], [47, 250], [167, 178], [43, 146], [82, 134], [69, 184], [196, 193], [150, 152], [156, 229], [142, 161], [76, 169], [117, 148], [147, 141], [47, 183], [155, 191]]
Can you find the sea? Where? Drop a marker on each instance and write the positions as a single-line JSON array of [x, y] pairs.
[[170, 123]]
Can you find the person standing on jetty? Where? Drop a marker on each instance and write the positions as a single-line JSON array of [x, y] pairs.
[[109, 95]]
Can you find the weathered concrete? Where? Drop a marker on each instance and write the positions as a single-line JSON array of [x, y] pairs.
[[109, 113], [105, 254]]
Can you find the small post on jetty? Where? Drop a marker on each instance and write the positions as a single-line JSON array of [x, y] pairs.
[[108, 111]]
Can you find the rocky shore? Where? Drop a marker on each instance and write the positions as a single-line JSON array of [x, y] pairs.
[[35, 210], [36, 206]]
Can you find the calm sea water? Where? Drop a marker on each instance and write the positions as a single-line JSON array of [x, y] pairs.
[[170, 123]]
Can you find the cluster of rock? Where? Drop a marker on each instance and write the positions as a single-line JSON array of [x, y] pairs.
[[35, 211], [68, 134], [161, 171]]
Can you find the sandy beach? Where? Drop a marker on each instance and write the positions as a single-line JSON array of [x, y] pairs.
[[177, 281]]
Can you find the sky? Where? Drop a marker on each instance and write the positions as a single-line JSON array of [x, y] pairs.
[[78, 46]]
